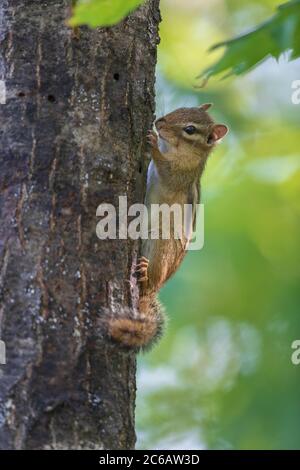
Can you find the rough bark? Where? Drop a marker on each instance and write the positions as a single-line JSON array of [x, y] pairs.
[[72, 136]]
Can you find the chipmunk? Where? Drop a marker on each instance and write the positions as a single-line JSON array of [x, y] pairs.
[[180, 147]]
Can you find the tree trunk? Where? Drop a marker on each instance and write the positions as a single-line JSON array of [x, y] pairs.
[[74, 115]]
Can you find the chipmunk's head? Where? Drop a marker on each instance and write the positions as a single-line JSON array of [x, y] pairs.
[[189, 131]]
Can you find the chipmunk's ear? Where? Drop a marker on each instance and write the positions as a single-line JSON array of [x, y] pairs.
[[205, 106], [219, 131]]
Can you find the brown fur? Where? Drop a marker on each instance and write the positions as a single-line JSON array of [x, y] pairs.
[[138, 333]]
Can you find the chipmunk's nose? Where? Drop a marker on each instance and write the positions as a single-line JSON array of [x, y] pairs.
[[159, 123]]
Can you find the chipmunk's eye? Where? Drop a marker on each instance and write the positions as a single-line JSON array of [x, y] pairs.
[[190, 130]]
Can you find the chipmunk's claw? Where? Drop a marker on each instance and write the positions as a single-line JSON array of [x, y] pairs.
[[142, 269], [152, 139]]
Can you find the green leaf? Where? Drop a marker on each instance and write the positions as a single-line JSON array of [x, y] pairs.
[[102, 12], [279, 34]]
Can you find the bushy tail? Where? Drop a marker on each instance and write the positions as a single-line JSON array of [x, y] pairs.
[[138, 330]]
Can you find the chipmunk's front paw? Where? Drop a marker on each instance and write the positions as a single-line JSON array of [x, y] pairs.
[[142, 269], [152, 139]]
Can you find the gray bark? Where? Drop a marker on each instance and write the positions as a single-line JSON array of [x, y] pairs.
[[72, 136]]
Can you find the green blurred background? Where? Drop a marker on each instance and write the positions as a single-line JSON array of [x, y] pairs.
[[222, 376]]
